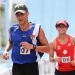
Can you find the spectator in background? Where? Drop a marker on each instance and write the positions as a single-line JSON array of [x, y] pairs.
[[64, 46]]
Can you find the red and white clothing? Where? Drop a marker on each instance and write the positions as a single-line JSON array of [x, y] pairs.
[[66, 52]]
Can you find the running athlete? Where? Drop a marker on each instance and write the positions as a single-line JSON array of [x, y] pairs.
[[64, 46], [25, 56]]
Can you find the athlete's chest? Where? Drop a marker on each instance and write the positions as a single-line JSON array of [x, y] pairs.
[[64, 50], [19, 35]]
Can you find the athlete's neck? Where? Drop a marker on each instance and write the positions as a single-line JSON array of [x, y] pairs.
[[63, 36], [26, 26]]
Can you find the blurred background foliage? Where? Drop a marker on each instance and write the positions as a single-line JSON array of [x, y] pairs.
[[2, 22]]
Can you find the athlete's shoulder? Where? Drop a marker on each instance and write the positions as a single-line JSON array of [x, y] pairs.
[[14, 27], [35, 24], [53, 42], [72, 38]]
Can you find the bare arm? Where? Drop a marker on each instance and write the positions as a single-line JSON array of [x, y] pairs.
[[53, 58], [9, 44], [73, 40], [44, 48], [7, 48], [51, 53], [73, 61]]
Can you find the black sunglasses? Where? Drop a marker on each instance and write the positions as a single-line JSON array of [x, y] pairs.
[[60, 26]]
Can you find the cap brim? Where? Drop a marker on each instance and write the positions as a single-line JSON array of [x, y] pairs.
[[22, 11], [62, 24]]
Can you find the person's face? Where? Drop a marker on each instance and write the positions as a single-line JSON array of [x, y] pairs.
[[22, 17], [61, 29]]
